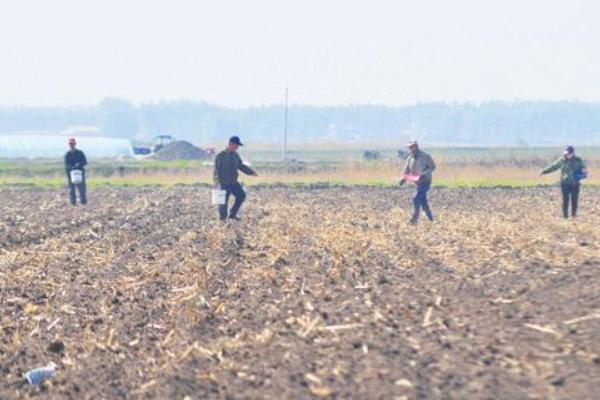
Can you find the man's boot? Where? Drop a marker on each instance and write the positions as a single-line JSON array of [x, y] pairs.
[[414, 220], [428, 214]]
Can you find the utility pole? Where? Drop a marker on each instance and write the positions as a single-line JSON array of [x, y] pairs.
[[285, 127]]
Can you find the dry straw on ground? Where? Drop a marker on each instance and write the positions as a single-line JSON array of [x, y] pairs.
[[317, 294]]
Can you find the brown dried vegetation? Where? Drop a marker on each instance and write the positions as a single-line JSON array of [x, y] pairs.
[[317, 294]]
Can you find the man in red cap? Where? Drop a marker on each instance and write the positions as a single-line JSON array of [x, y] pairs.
[[75, 163]]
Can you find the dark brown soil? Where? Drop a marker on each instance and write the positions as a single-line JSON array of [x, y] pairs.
[[323, 293], [180, 150]]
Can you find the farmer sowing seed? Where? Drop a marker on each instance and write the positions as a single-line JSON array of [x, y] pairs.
[[419, 169], [227, 164], [572, 171], [75, 163]]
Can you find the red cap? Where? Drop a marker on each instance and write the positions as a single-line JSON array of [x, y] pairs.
[[72, 141]]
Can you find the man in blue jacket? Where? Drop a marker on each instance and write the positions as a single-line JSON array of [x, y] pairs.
[[227, 164], [75, 160]]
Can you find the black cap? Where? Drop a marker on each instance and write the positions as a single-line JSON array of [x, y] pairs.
[[235, 140], [570, 149]]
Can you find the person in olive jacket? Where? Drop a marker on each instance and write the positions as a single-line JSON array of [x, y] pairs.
[[75, 159], [572, 171], [227, 164], [422, 165]]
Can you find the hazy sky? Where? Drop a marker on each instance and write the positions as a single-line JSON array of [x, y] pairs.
[[328, 52]]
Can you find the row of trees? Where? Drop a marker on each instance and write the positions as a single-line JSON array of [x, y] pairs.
[[490, 123]]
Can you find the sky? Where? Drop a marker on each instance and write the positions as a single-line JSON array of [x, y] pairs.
[[328, 52]]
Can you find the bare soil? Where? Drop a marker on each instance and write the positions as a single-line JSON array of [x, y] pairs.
[[323, 293], [179, 150]]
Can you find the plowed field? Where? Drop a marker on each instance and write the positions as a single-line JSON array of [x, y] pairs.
[[322, 293]]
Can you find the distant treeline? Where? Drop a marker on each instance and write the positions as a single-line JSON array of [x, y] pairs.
[[491, 123]]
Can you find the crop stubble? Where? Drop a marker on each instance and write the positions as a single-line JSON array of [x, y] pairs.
[[318, 293]]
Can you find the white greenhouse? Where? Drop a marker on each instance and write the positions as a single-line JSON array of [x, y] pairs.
[[53, 146]]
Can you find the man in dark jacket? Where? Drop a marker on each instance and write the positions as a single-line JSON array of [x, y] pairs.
[[75, 160], [572, 171], [227, 164]]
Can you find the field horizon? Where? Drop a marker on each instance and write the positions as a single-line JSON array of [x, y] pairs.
[[457, 167]]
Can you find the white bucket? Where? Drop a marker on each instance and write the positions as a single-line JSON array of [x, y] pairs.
[[76, 176], [218, 196]]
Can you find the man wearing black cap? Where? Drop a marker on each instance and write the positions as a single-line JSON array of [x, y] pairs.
[[572, 171], [227, 164]]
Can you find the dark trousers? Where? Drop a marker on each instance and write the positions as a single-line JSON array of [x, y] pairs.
[[570, 191], [82, 195], [238, 192], [420, 201]]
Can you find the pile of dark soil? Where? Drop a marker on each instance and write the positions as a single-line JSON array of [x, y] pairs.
[[180, 150]]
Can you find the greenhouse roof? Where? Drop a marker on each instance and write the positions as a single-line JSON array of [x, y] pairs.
[[53, 146]]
